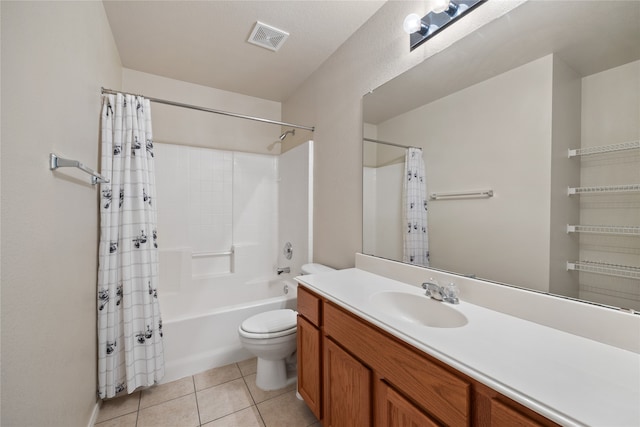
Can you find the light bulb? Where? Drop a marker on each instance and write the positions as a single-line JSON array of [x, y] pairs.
[[440, 6], [412, 23]]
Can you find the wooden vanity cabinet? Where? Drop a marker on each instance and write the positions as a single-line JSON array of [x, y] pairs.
[[351, 373]]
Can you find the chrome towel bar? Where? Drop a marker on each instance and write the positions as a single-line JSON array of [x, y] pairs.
[[462, 195], [56, 162]]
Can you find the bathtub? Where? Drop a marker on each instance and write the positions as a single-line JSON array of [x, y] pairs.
[[201, 328]]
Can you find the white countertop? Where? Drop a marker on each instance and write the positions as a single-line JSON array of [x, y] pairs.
[[569, 379]]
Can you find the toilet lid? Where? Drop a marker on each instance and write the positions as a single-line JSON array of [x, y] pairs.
[[270, 322]]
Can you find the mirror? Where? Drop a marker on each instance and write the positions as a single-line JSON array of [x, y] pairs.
[[500, 111]]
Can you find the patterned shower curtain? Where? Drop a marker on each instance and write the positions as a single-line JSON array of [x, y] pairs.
[[414, 198], [130, 349]]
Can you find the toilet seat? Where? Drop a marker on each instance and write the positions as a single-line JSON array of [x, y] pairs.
[[270, 324]]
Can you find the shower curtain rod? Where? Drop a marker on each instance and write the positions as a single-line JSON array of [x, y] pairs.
[[389, 143], [210, 110]]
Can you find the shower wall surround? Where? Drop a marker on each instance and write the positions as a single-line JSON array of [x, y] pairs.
[[210, 201]]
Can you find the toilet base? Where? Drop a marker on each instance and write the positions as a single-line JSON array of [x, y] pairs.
[[273, 374]]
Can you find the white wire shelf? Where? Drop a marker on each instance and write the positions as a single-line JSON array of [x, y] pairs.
[[604, 149], [605, 229], [625, 271], [626, 188]]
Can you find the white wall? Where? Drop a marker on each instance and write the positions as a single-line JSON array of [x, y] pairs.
[[203, 129], [55, 57], [331, 100], [565, 125]]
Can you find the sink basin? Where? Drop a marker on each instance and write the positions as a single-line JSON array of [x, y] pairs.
[[418, 309]]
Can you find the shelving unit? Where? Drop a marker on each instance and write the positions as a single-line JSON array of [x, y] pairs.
[[617, 270]]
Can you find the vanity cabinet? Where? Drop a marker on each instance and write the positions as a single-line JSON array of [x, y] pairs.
[[355, 374]]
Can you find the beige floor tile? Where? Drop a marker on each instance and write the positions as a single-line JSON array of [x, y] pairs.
[[182, 412], [119, 406], [262, 395], [163, 392], [224, 399], [286, 411], [128, 420], [249, 366], [216, 376], [249, 417]]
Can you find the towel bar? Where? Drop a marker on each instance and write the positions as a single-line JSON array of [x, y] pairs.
[[56, 162]]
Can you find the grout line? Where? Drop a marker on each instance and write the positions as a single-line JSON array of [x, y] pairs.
[[195, 392], [138, 411]]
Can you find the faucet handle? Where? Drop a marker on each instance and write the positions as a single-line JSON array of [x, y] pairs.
[[452, 293]]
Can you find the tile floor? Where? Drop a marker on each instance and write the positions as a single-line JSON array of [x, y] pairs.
[[221, 397]]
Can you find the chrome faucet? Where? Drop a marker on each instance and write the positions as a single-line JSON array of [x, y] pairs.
[[281, 270], [439, 293]]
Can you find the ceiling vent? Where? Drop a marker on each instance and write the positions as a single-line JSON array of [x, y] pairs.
[[266, 36]]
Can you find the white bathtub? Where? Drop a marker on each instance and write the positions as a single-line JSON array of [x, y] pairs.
[[201, 328]]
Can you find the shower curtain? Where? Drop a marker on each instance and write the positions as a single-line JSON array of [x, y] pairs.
[[130, 349], [414, 198]]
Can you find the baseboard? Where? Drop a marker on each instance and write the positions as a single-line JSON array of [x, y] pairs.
[[94, 414]]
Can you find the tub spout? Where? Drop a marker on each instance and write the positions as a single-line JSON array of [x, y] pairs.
[[281, 270]]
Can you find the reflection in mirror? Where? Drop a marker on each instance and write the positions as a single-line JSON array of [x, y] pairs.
[[544, 113], [387, 168]]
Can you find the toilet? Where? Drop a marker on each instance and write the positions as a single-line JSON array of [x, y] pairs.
[[271, 337]]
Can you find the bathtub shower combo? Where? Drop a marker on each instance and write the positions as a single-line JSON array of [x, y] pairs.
[[229, 219]]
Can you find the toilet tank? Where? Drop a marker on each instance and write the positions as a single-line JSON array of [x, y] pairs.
[[314, 268]]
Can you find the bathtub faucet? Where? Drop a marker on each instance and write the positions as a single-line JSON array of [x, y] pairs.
[[281, 270]]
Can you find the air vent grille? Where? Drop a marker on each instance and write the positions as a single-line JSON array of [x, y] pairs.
[[266, 36]]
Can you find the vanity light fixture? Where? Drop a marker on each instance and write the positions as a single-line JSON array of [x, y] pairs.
[[443, 13]]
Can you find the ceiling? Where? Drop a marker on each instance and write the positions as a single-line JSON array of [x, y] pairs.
[[590, 36], [205, 42]]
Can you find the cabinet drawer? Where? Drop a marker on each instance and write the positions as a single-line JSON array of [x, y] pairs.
[[309, 305], [440, 393]]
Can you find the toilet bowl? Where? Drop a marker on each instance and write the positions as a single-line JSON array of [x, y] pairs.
[[271, 337]]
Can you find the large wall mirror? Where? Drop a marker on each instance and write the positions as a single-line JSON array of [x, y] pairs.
[[535, 118]]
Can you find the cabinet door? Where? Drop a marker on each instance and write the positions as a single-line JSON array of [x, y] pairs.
[[309, 365], [396, 411], [505, 416], [347, 389]]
